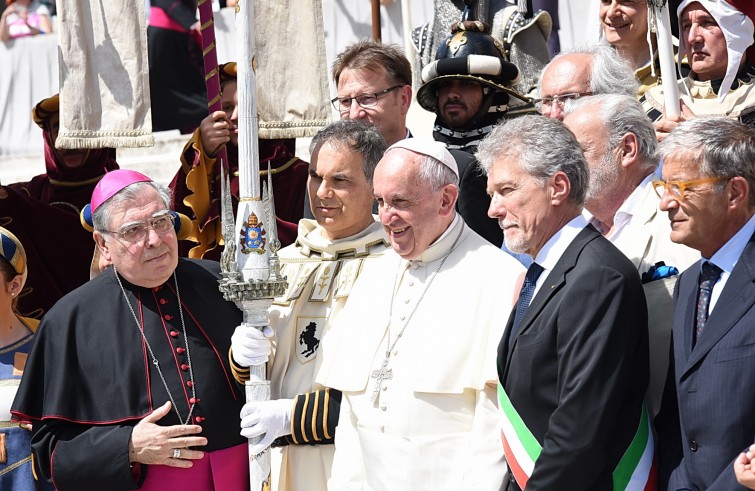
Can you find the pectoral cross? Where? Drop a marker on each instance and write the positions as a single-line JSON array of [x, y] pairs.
[[384, 373]]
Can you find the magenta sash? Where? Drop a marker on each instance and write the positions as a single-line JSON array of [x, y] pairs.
[[159, 18], [221, 470]]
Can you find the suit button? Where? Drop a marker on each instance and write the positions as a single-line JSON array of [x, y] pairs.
[[693, 445]]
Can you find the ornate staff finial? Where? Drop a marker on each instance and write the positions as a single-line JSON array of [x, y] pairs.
[[228, 266]]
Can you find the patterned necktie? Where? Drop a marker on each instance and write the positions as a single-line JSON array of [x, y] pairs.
[[710, 275], [525, 297]]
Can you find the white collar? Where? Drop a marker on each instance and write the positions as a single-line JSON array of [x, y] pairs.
[[441, 246], [310, 240], [556, 245], [627, 208], [728, 255]]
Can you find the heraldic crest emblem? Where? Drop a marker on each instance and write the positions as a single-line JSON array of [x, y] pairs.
[[252, 236]]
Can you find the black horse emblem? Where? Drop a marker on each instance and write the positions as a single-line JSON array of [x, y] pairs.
[[307, 338]]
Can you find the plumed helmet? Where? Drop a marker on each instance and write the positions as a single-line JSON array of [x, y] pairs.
[[470, 53]]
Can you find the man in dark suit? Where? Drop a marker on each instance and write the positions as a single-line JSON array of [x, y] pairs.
[[706, 415], [573, 366]]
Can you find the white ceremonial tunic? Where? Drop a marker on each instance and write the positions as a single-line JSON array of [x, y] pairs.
[[320, 275], [434, 425]]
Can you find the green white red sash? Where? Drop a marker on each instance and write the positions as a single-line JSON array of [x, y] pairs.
[[636, 470]]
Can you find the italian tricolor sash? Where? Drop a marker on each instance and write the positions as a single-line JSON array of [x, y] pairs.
[[635, 472]]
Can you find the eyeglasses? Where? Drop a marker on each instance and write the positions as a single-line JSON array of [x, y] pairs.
[[559, 100], [677, 188], [343, 104], [161, 222]]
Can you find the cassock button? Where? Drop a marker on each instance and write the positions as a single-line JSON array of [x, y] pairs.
[[156, 289], [189, 384], [194, 400], [180, 350], [200, 419], [184, 367], [406, 300], [383, 407], [163, 301], [174, 333], [411, 283], [168, 317]]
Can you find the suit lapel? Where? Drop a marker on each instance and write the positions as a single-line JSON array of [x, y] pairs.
[[735, 300], [553, 283]]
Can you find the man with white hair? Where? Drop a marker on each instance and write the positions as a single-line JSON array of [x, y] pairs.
[[417, 370], [573, 362], [714, 35], [583, 71], [619, 144]]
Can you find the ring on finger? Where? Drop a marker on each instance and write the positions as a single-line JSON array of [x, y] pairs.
[[176, 453]]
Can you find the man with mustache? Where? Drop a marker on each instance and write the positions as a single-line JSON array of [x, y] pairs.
[[460, 88], [714, 35], [573, 359], [619, 144]]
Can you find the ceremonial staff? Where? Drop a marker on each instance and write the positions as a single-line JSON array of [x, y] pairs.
[[659, 17], [249, 263], [210, 58]]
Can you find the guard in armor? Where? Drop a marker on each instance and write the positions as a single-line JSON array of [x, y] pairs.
[[523, 34], [470, 88]]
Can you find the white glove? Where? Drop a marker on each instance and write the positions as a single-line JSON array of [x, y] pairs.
[[251, 346], [269, 418]]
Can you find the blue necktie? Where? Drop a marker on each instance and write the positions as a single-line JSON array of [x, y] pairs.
[[710, 275], [525, 297]]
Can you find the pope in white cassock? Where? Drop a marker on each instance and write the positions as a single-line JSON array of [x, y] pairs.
[[414, 349]]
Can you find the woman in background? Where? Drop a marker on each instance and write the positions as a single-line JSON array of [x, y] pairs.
[[16, 337]]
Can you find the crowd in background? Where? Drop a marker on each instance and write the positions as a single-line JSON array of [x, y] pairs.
[[556, 291]]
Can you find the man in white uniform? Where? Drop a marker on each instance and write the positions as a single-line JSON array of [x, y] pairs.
[[414, 349], [321, 267]]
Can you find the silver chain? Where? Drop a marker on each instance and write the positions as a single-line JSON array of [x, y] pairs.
[[152, 353], [427, 287]]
